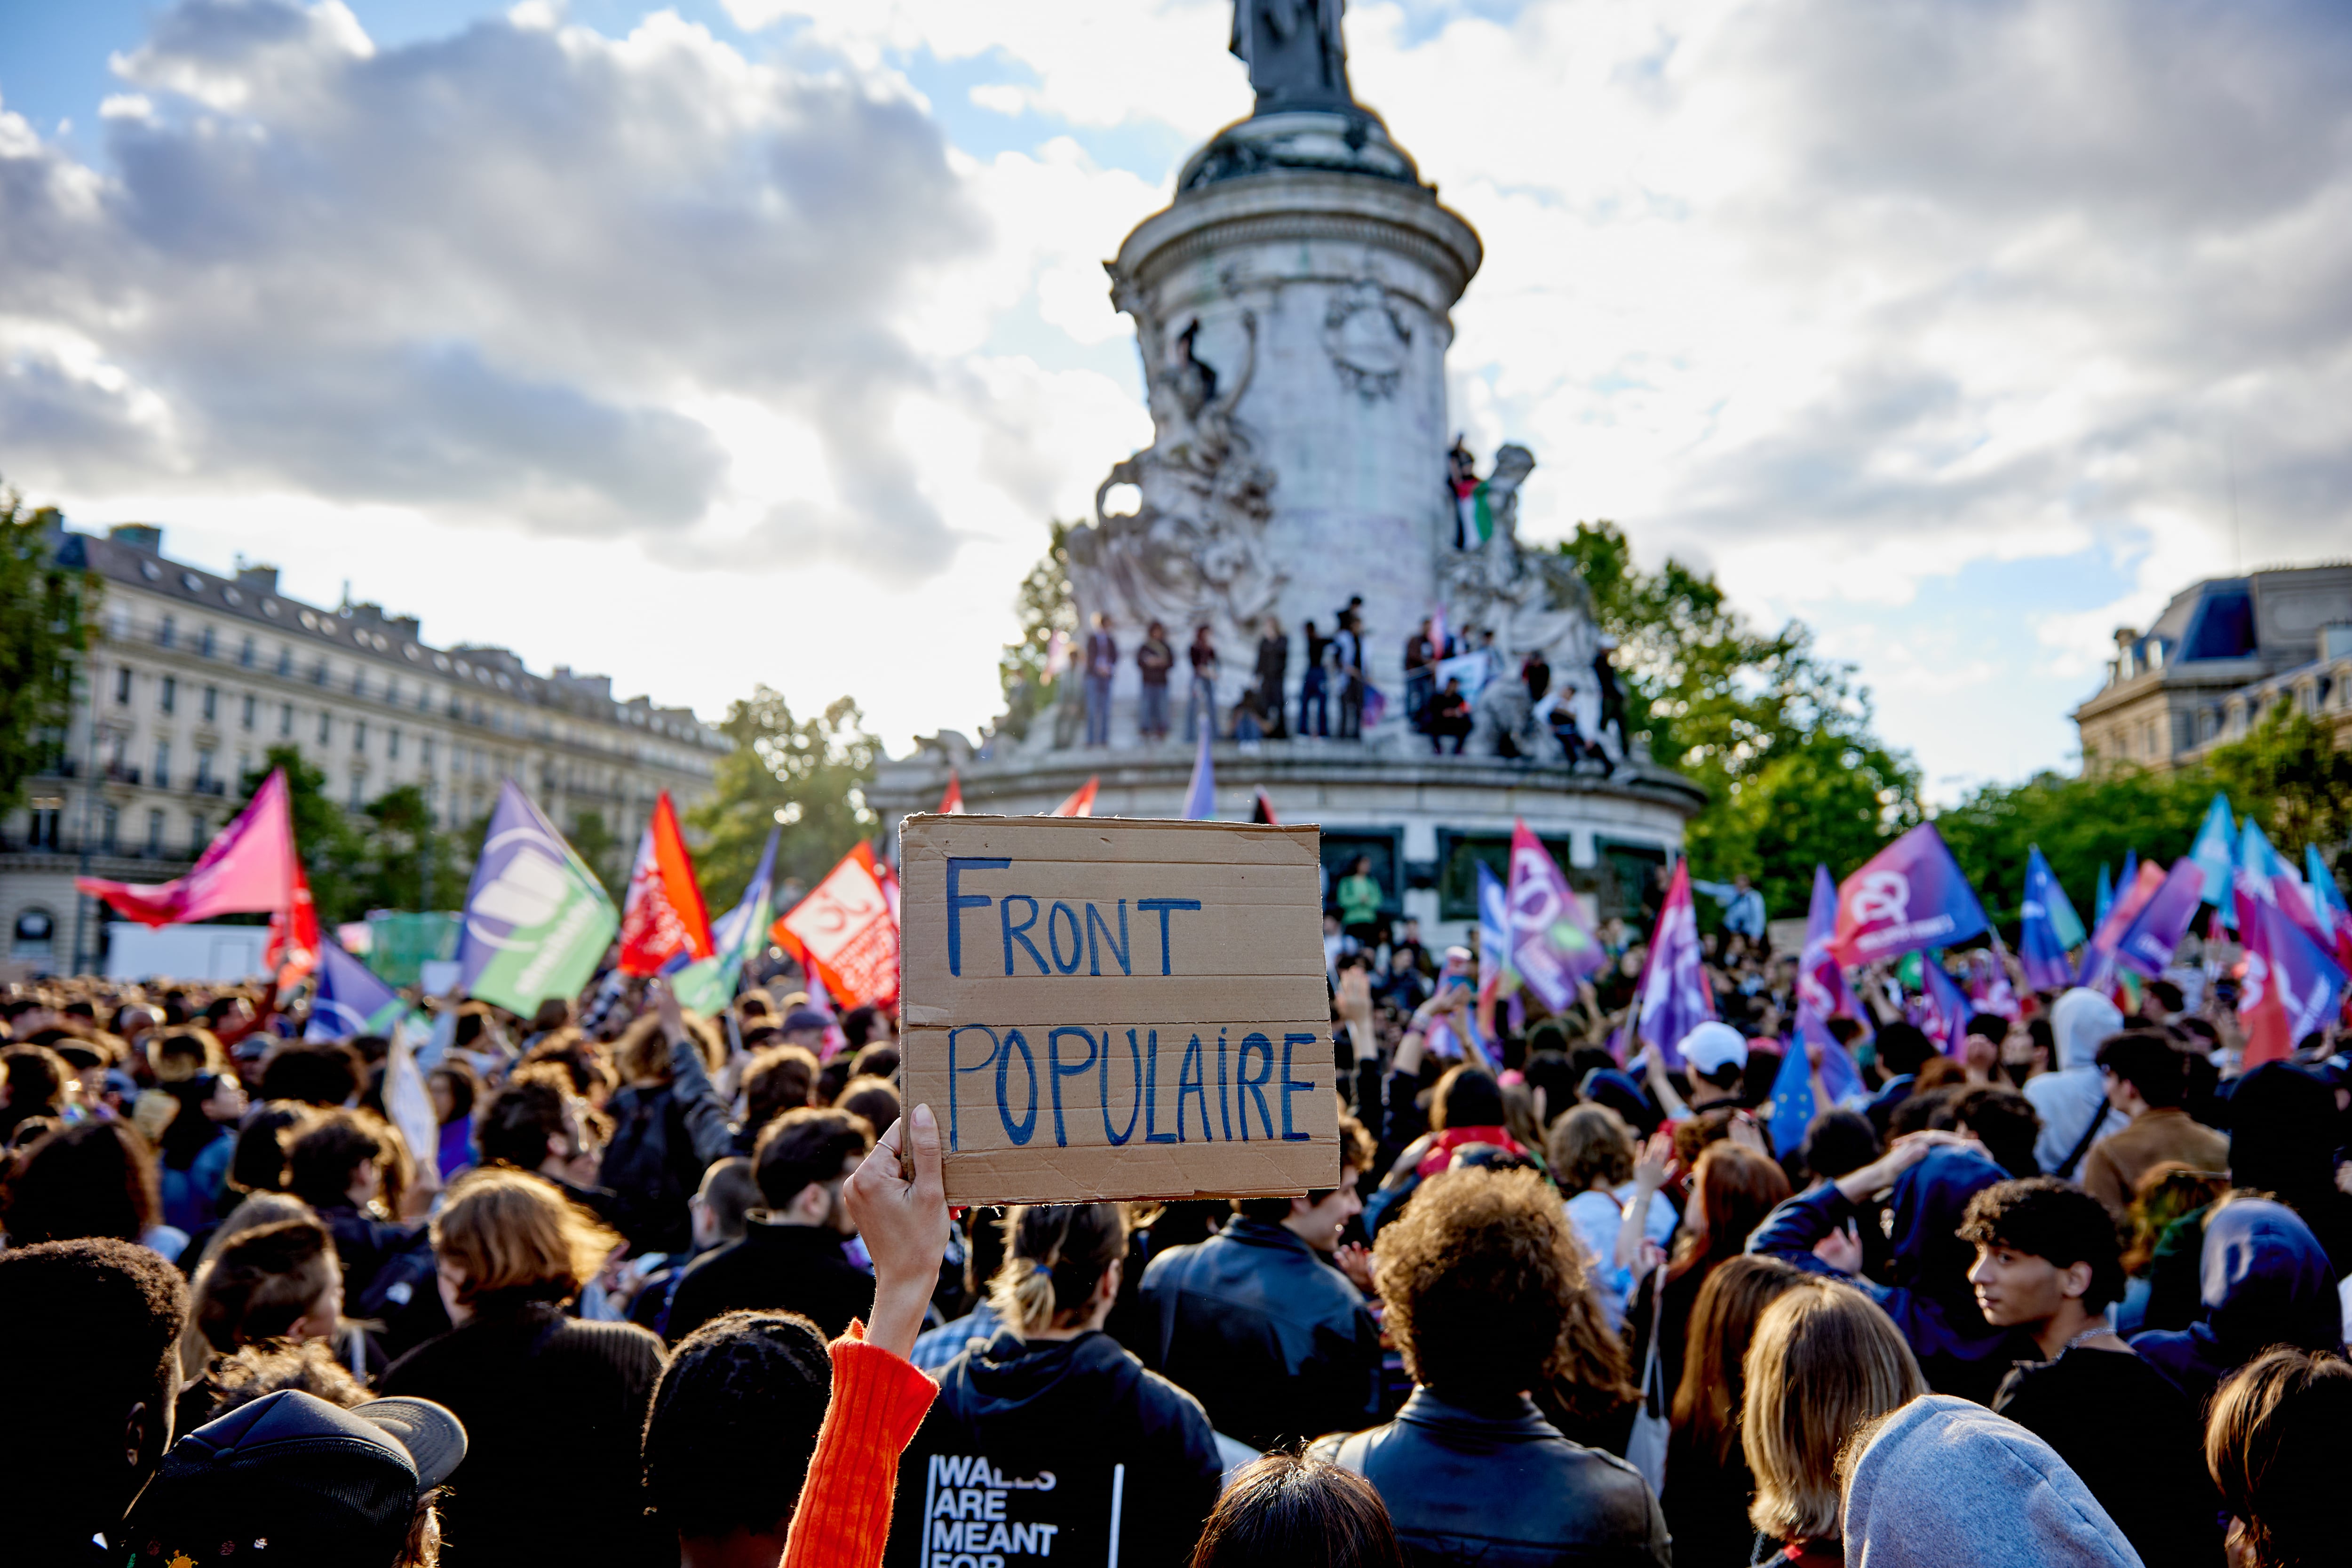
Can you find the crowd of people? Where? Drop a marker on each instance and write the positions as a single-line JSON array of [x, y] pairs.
[[668, 1288]]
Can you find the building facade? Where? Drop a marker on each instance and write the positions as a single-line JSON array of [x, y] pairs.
[[2221, 655], [193, 676]]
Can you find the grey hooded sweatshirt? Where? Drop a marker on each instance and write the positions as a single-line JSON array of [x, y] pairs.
[[1946, 1481], [2074, 1090]]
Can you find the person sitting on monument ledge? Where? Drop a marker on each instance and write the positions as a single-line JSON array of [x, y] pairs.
[[1449, 717], [1255, 1321]]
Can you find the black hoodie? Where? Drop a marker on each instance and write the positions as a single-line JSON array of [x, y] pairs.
[[1033, 1448]]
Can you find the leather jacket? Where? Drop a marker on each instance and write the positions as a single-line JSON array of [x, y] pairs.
[[1501, 1489], [1275, 1343]]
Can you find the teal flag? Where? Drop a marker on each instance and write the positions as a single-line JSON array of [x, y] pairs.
[[2215, 853], [707, 984], [537, 920]]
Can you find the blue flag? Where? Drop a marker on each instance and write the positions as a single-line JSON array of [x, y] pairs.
[[1200, 795], [1794, 1103], [350, 999], [2105, 898], [2215, 853], [2047, 927]]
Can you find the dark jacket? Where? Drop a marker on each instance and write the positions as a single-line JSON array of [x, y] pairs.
[[1118, 1443], [664, 1137], [775, 1269], [1930, 1299], [2131, 1438], [366, 1246], [1273, 1341], [554, 1412], [2267, 1282], [1501, 1489]]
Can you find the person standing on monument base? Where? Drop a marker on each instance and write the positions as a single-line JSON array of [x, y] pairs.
[[1420, 675], [1201, 705], [1272, 672], [1102, 663], [1347, 660], [1314, 688], [1153, 660]]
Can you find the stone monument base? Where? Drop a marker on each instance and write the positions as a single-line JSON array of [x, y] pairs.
[[1425, 820]]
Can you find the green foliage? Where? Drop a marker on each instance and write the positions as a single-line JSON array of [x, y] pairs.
[[1047, 606], [1780, 738], [2081, 825], [2290, 775], [806, 775], [595, 842], [46, 614]]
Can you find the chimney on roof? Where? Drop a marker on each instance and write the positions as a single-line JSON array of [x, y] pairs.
[[261, 579], [146, 536]]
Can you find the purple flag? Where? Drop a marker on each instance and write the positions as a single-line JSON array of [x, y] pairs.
[[1821, 980], [1674, 998], [1943, 1011], [1550, 947], [2147, 943], [1909, 896]]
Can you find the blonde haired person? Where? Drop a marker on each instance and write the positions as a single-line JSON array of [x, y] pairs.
[[1825, 1360], [1052, 1393], [553, 1406]]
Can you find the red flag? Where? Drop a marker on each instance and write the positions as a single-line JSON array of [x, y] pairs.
[[293, 949], [663, 916], [1082, 800], [247, 868], [844, 933], [1263, 810], [951, 803]]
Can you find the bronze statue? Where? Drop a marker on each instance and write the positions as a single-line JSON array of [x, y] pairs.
[[1295, 55]]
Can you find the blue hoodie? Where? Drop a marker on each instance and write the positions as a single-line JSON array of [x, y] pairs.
[[1929, 1298], [2265, 1281]]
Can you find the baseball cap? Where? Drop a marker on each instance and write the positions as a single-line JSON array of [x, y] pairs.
[[1714, 1046], [293, 1478], [800, 1018]]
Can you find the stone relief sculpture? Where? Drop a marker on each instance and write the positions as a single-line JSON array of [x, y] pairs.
[[1367, 339], [1194, 550]]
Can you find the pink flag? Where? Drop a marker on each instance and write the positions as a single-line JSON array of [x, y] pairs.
[[248, 868]]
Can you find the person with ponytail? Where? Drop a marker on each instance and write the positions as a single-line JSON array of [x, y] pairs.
[[1050, 1432]]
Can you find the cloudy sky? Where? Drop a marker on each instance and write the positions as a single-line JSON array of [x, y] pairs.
[[754, 340]]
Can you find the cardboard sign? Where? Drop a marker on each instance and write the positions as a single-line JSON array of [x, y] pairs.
[[1102, 1008]]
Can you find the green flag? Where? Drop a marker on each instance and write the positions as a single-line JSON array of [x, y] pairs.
[[537, 920]]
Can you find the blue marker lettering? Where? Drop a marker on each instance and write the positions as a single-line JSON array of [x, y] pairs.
[[1151, 1133], [1291, 1086], [1054, 937], [1244, 1084], [1161, 907], [1012, 933], [1191, 1079], [1102, 1068], [1012, 1042], [953, 1070], [960, 900], [1057, 1072], [1224, 1108], [1095, 922]]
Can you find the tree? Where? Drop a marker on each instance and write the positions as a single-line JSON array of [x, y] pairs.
[[1047, 606], [597, 844], [1778, 737], [2080, 824], [807, 776], [334, 853], [46, 614], [2289, 775], [399, 839]]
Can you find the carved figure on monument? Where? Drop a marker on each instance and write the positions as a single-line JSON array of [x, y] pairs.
[[1368, 341], [1193, 551], [1295, 55]]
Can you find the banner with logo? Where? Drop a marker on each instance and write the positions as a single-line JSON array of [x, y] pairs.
[[1550, 947], [2292, 986], [844, 931], [1674, 998], [537, 922], [1911, 895]]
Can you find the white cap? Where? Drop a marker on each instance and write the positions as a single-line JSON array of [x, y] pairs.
[[1712, 1047]]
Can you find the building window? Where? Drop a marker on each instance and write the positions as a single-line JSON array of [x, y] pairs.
[[391, 690], [391, 744], [359, 787], [34, 940], [318, 673], [424, 700], [167, 696], [162, 779], [196, 833], [245, 653], [247, 711], [286, 718], [122, 685], [359, 734], [212, 703], [206, 643], [285, 660], [110, 828], [154, 833], [204, 767], [167, 634], [359, 681], [326, 726], [47, 816], [424, 751]]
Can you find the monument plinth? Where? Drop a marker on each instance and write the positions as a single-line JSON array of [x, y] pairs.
[[1292, 311]]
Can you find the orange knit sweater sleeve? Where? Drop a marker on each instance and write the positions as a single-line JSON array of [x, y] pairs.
[[878, 1402]]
